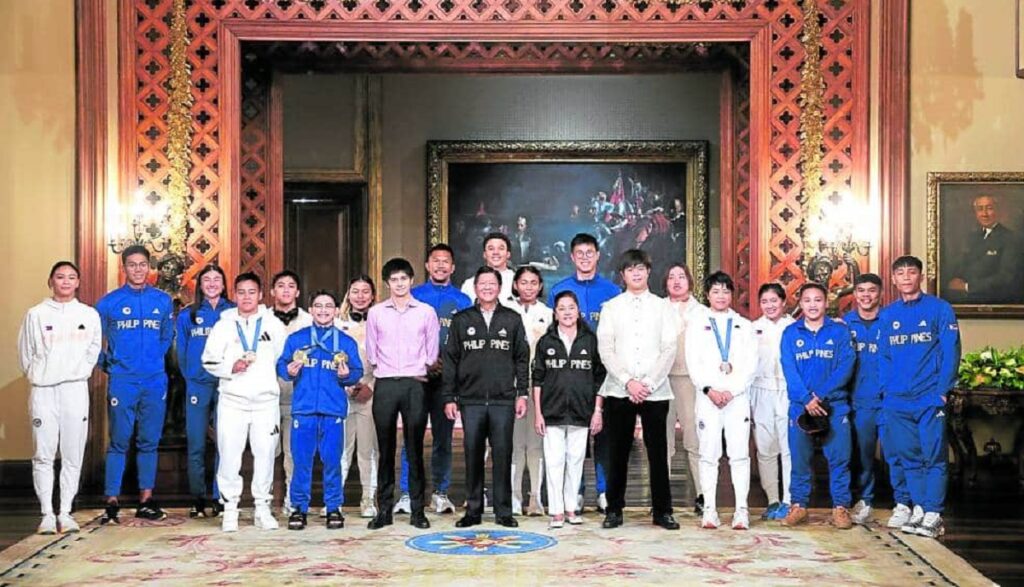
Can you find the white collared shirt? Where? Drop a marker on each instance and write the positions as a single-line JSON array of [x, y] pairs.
[[637, 338]]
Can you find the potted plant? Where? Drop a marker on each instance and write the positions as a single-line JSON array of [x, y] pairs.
[[993, 369]]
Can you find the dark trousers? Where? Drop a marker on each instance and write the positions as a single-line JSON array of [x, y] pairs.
[[391, 397], [619, 423], [481, 424]]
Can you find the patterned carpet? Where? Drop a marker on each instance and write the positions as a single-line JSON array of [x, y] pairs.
[[179, 551]]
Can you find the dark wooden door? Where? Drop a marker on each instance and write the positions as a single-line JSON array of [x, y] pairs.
[[324, 237]]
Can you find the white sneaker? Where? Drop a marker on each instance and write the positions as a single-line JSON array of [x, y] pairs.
[[741, 519], [931, 526], [48, 525], [555, 524], [264, 519], [229, 520], [443, 505], [710, 521], [574, 519], [323, 512], [915, 520], [67, 524], [602, 502], [517, 506], [900, 516], [367, 507], [404, 505], [861, 513], [286, 509]]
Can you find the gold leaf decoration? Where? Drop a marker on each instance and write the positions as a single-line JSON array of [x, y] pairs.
[[179, 131], [812, 126]]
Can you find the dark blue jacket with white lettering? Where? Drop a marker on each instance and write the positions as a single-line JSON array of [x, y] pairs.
[[918, 352], [866, 392], [592, 294], [446, 300], [817, 362], [138, 328], [191, 338], [318, 389]]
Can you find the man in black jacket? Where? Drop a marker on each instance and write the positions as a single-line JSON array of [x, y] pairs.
[[486, 373]]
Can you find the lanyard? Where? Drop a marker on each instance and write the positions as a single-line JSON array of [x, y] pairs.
[[255, 337], [316, 343], [723, 349]]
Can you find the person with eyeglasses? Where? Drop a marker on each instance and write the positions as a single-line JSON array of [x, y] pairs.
[[320, 360], [592, 290]]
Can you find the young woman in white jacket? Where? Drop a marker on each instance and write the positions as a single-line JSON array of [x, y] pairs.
[[58, 346]]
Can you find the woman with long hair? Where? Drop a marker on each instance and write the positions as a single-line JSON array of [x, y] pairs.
[[58, 346], [193, 326], [360, 432]]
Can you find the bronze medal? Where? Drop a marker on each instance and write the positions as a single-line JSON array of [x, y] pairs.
[[725, 367]]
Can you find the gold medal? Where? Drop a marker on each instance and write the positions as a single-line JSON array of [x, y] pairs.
[[249, 357], [300, 356], [725, 367], [339, 358]]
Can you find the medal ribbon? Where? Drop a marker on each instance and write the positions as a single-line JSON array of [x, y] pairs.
[[723, 349], [317, 343], [255, 337]]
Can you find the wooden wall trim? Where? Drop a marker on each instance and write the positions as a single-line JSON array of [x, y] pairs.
[[726, 181], [275, 179], [894, 135], [760, 161], [230, 78]]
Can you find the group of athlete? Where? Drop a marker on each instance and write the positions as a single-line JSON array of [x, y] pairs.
[[531, 382]]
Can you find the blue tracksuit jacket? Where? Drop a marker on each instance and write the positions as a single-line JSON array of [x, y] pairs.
[[446, 301], [919, 352], [191, 338], [866, 391], [592, 294], [138, 329], [317, 387], [817, 362]]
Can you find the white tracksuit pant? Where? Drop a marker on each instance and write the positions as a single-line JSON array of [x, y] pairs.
[[60, 419], [734, 420], [771, 437], [565, 448], [527, 453], [683, 410], [361, 440], [260, 427]]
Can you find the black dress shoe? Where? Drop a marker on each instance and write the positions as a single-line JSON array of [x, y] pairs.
[[380, 521], [297, 521], [419, 520], [698, 505], [467, 521], [612, 520], [198, 508], [506, 521], [666, 521]]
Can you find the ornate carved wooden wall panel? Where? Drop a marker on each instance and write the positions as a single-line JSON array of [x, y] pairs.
[[844, 64]]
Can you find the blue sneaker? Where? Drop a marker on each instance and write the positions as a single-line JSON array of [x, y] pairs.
[[781, 512], [769, 514]]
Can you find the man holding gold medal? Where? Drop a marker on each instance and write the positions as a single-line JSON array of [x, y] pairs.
[[242, 352], [321, 360]]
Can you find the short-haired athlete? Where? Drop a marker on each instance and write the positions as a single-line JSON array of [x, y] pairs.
[[497, 253], [817, 360], [58, 345], [866, 399], [919, 354], [321, 361], [138, 329]]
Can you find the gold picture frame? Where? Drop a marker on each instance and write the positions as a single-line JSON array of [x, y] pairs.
[[960, 248], [529, 192]]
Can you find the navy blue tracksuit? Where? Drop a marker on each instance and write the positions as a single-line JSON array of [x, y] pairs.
[[819, 363], [919, 355]]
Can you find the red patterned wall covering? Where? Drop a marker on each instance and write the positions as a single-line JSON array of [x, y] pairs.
[[255, 142], [784, 16]]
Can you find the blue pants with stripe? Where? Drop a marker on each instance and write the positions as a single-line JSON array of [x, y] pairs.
[[200, 414], [132, 401], [918, 437], [313, 434], [836, 445], [868, 427]]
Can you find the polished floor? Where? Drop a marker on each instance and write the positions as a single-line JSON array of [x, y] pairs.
[[984, 524]]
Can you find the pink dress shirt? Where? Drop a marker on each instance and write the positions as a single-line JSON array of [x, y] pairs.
[[401, 343]]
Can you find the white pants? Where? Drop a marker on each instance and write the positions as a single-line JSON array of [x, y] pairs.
[[527, 452], [565, 448], [734, 420], [771, 436], [260, 428], [60, 419], [361, 439], [683, 409]]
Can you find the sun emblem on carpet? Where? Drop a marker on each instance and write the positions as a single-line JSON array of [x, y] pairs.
[[480, 542]]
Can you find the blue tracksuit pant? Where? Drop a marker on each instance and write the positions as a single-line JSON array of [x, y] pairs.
[[868, 427], [836, 445], [134, 400], [200, 413], [918, 436], [312, 434]]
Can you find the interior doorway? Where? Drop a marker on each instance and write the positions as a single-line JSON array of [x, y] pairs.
[[324, 234]]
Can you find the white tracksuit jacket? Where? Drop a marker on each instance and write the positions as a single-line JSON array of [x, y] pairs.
[[256, 387], [59, 342]]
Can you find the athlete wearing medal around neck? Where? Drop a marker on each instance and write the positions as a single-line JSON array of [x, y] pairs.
[[194, 324], [58, 346], [818, 360], [637, 341], [721, 354], [138, 329], [919, 353], [486, 373], [285, 289], [242, 352], [321, 360]]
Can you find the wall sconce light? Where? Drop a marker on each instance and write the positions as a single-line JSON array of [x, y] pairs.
[[144, 227], [843, 231]]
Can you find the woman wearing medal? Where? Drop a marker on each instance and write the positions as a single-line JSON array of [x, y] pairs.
[[321, 360], [721, 354]]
